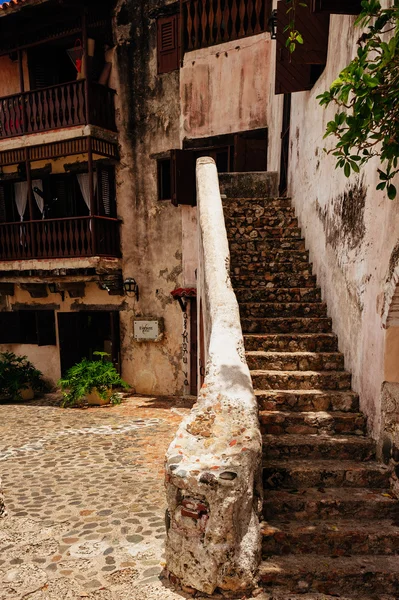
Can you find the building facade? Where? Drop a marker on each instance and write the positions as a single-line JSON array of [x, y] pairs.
[[103, 114]]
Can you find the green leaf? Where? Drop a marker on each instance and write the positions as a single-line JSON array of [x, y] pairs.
[[391, 192], [347, 169]]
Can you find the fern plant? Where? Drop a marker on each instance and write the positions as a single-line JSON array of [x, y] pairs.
[[17, 373], [89, 375]]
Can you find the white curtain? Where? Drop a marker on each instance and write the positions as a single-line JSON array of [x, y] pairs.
[[21, 197], [38, 183], [83, 180]]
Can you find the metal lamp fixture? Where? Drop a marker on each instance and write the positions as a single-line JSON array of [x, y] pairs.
[[131, 287], [273, 24]]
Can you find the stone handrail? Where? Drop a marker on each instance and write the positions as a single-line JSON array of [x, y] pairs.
[[213, 466]]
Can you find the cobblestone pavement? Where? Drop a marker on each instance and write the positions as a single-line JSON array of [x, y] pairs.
[[85, 499]]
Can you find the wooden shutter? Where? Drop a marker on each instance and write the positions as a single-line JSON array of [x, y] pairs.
[[106, 191], [10, 328], [45, 325], [298, 71], [337, 7], [168, 43], [3, 212], [183, 181]]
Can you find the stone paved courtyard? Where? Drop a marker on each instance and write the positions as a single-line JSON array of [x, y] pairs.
[[85, 499]]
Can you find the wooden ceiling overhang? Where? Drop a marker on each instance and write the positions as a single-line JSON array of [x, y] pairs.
[[74, 146], [38, 23]]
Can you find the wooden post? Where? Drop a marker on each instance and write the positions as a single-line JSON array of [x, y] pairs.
[[30, 201], [86, 65], [92, 196], [22, 88]]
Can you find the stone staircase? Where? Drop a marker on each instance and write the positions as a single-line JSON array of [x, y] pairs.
[[331, 525]]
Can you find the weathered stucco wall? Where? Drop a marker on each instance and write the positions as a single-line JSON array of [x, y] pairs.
[[224, 88], [148, 122], [350, 229]]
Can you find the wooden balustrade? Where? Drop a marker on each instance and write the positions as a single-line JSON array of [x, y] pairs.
[[56, 107], [209, 22], [60, 238]]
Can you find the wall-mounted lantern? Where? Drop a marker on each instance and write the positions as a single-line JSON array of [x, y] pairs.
[[131, 287], [273, 24]]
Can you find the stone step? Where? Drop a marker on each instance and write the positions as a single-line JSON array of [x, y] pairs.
[[312, 423], [318, 447], [255, 210], [271, 244], [282, 309], [286, 325], [284, 594], [300, 474], [295, 361], [232, 203], [330, 538], [301, 380], [278, 219], [274, 280], [307, 400], [265, 257], [253, 233], [287, 342], [339, 576], [330, 503], [278, 295], [256, 184], [267, 269]]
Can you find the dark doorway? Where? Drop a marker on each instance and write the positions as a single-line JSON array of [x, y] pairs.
[[83, 333], [285, 145]]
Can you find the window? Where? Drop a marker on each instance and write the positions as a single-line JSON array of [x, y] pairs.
[[164, 179], [35, 327], [299, 71], [239, 152], [168, 43]]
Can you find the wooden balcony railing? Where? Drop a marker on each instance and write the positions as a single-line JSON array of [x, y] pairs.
[[57, 107], [60, 238], [209, 22]]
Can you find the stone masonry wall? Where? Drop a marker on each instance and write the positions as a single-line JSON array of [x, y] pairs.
[[148, 123]]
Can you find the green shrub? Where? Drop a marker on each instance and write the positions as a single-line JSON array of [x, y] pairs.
[[89, 375], [17, 373]]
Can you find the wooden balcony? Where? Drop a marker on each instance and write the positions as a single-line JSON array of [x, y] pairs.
[[67, 105], [60, 238], [208, 22]]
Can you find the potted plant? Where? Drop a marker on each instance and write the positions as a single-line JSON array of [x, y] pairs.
[[92, 381], [19, 379]]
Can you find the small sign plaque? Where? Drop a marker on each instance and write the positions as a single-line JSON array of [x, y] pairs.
[[147, 331]]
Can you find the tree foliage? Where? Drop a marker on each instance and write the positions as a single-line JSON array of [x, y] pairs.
[[294, 36], [366, 95]]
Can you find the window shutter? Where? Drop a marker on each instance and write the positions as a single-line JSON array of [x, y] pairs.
[[298, 71], [3, 212], [10, 328], [168, 43], [106, 191], [45, 325], [337, 7], [183, 182]]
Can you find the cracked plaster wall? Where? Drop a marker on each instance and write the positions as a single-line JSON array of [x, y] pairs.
[[148, 123], [350, 229]]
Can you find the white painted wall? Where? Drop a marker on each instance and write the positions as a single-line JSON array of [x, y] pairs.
[[350, 248]]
